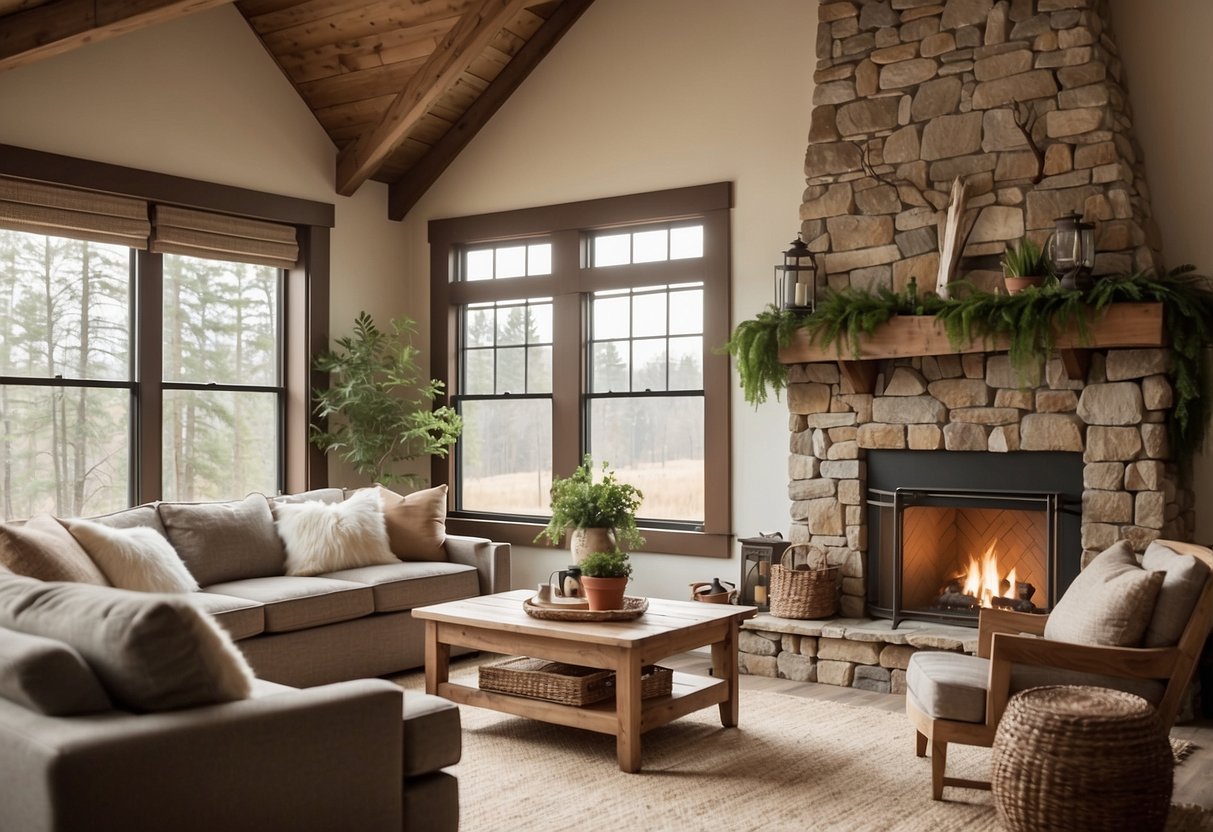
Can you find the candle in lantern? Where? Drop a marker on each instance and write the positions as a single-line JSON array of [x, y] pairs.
[[802, 294], [760, 594]]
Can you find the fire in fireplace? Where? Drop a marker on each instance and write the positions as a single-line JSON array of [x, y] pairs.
[[942, 553]]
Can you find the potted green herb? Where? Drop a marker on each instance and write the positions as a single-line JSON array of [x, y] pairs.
[[602, 514], [1024, 264], [378, 410], [604, 578]]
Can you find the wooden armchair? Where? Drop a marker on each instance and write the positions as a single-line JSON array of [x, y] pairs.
[[955, 698]]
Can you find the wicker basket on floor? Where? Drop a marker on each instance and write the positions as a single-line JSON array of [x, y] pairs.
[[804, 590], [1071, 757]]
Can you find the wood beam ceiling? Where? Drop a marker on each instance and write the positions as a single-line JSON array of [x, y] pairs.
[[455, 52], [63, 25]]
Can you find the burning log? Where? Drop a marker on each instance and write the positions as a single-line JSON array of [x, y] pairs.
[[1023, 603], [953, 598]]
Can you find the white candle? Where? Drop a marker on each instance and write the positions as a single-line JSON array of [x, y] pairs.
[[802, 294]]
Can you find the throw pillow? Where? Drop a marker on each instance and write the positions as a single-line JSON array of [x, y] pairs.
[[322, 537], [222, 542], [1184, 578], [416, 524], [136, 558], [150, 652], [1109, 603], [43, 549], [47, 676], [128, 518], [317, 495]]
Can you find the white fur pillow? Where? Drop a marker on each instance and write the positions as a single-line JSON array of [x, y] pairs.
[[322, 538], [137, 558]]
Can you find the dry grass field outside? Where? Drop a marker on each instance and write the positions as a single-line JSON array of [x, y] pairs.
[[672, 491]]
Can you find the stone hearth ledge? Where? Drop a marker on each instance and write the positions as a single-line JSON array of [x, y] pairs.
[[864, 653]]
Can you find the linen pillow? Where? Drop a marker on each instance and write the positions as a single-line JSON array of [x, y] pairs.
[[47, 676], [43, 549], [136, 558], [1184, 578], [416, 524], [128, 518], [1109, 603], [322, 537], [222, 542], [150, 652]]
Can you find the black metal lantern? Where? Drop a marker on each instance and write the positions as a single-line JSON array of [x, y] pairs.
[[796, 278], [1071, 248], [757, 555]]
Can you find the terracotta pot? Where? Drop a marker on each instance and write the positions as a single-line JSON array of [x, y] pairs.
[[586, 541], [1015, 285], [604, 593]]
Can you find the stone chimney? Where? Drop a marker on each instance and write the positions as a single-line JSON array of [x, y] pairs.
[[1021, 99]]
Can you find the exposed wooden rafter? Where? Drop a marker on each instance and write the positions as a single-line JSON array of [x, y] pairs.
[[405, 191], [456, 51], [63, 25]]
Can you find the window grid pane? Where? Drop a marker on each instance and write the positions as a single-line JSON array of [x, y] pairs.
[[650, 245], [507, 348], [632, 342], [506, 261]]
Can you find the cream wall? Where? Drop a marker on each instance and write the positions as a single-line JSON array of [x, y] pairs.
[[640, 96], [1168, 66]]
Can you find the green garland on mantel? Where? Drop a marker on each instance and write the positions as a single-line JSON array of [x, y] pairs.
[[1029, 320]]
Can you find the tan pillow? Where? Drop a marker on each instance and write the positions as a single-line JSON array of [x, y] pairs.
[[222, 542], [150, 652], [1109, 603], [1184, 578], [43, 549], [416, 524]]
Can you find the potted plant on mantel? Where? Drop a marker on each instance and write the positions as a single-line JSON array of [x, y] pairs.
[[604, 578], [1024, 264], [601, 515]]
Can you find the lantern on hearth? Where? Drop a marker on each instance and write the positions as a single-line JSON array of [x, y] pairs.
[[796, 278], [757, 555], [1071, 249]]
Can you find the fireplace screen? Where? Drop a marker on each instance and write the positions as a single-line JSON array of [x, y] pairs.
[[952, 552]]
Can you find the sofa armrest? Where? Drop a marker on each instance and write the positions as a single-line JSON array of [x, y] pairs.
[[492, 560], [322, 758]]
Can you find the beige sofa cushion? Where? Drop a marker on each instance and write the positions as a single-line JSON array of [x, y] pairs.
[[47, 676], [416, 523], [241, 617], [296, 603], [1110, 602], [225, 541], [1184, 577], [135, 558], [151, 652], [321, 537], [43, 549], [402, 586]]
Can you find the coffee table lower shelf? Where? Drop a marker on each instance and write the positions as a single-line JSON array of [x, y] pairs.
[[690, 693]]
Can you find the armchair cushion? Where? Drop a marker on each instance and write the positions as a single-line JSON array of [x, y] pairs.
[[1109, 603], [1183, 578], [150, 652], [47, 676]]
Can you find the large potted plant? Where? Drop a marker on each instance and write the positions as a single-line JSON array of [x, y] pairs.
[[601, 515], [604, 578], [378, 410]]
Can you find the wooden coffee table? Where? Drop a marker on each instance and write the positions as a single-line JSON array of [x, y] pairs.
[[497, 623]]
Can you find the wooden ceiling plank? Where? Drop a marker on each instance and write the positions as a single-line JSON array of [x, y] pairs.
[[376, 50], [55, 28], [458, 49], [404, 192], [361, 85], [368, 19], [270, 16]]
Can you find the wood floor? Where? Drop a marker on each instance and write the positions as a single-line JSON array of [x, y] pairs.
[[1193, 777]]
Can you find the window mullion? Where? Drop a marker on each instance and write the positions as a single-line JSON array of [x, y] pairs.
[[568, 355], [149, 344]]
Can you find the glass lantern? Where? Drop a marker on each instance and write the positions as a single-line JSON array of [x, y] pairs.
[[757, 555], [1071, 249], [796, 278]]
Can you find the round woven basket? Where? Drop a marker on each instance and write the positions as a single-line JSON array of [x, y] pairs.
[[804, 590], [1069, 757]]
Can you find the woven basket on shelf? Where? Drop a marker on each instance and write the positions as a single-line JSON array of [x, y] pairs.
[[803, 590], [1071, 757], [568, 684]]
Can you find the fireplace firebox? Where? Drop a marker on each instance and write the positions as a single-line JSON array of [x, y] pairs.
[[942, 544]]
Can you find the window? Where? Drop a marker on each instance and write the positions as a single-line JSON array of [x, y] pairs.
[[588, 328], [140, 361]]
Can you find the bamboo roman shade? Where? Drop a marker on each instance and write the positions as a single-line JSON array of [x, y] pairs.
[[223, 237], [39, 208]]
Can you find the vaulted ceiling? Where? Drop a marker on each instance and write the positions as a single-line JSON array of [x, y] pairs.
[[401, 86]]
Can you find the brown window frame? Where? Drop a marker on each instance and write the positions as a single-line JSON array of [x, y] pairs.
[[572, 279], [305, 303]]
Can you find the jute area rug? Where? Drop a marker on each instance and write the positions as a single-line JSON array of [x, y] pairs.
[[791, 764]]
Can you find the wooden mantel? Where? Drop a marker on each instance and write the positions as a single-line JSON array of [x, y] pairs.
[[1121, 325]]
